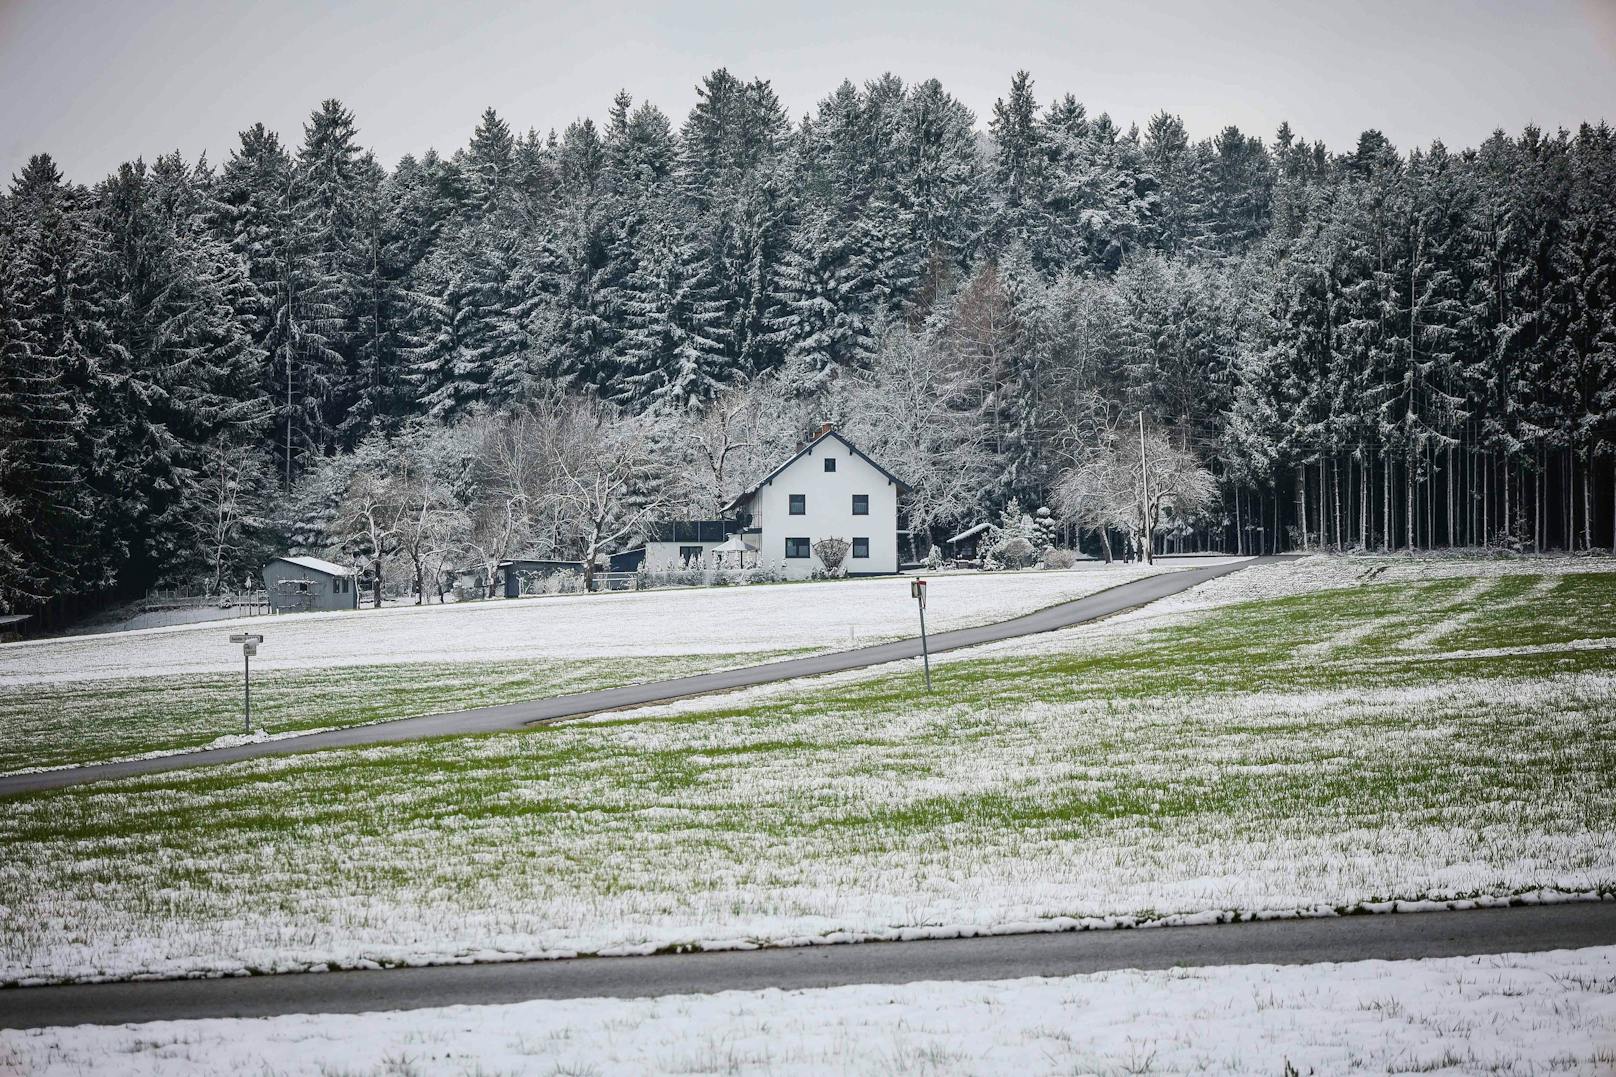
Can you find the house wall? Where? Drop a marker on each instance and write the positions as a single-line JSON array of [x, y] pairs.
[[664, 556], [323, 594], [830, 512]]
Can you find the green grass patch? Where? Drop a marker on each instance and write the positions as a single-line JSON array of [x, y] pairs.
[[63, 724]]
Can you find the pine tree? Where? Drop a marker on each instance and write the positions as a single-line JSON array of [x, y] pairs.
[[823, 324], [674, 349], [1176, 220], [939, 172], [490, 168], [54, 463], [333, 182], [1238, 178], [1019, 177], [179, 366], [1585, 359]]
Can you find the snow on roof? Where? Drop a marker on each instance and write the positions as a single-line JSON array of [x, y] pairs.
[[315, 564], [969, 531], [826, 431]]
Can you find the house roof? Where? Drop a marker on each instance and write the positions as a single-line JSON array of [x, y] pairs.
[[968, 532], [747, 494], [315, 564]]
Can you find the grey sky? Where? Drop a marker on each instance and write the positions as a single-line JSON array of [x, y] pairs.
[[97, 82]]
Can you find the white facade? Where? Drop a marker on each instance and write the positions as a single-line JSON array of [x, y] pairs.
[[670, 556], [827, 504]]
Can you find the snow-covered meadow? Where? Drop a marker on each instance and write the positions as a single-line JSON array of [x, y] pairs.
[[92, 699], [1549, 1012], [1212, 765], [824, 615]]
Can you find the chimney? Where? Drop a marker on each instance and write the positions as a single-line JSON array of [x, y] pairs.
[[824, 428]]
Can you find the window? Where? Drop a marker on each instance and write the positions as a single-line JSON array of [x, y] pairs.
[[830, 463], [799, 506], [861, 547], [861, 504], [796, 547], [690, 554]]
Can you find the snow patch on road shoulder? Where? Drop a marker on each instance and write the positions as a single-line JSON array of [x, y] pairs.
[[1520, 1013]]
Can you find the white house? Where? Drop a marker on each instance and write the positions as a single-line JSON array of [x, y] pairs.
[[829, 489]]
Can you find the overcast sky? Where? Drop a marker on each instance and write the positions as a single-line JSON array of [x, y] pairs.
[[97, 82]]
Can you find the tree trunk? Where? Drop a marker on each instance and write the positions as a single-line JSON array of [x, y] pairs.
[[1386, 503], [1508, 519], [1364, 496], [1453, 503], [1301, 503], [1587, 507], [1409, 517], [589, 562], [1335, 484], [1486, 500]]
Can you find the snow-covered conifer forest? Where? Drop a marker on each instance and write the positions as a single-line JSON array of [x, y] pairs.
[[529, 343]]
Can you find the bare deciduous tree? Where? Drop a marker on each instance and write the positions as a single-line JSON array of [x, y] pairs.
[[605, 461], [1115, 487]]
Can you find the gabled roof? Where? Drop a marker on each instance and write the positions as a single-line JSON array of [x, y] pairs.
[[746, 495], [315, 564]]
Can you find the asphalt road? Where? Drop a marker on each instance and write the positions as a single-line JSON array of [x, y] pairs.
[[516, 715], [1283, 942]]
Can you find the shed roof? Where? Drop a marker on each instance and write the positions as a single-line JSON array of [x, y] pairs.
[[968, 532], [316, 564], [746, 495]]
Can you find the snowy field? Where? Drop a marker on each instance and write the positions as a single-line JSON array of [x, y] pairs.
[[1323, 751], [119, 696], [48, 726], [1505, 1014], [1492, 591], [828, 615]]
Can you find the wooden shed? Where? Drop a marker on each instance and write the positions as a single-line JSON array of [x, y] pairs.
[[303, 584]]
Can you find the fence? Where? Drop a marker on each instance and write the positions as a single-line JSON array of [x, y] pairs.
[[192, 598]]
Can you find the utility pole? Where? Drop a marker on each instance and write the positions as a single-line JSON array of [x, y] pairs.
[[917, 588], [1144, 503]]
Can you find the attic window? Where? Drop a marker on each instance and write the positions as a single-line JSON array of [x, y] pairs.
[[830, 463]]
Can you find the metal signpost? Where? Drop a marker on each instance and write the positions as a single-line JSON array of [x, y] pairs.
[[917, 588], [249, 646]]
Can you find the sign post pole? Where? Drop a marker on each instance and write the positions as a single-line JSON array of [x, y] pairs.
[[917, 588], [249, 646]]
